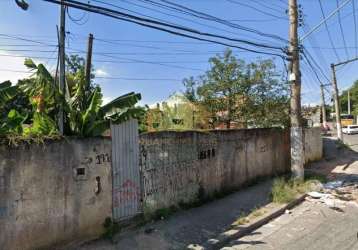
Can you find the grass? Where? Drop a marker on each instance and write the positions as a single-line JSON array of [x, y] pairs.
[[286, 190], [247, 217]]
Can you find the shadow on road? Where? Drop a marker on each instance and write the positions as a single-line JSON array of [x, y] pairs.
[[340, 162]]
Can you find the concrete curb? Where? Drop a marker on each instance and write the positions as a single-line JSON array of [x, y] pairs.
[[240, 231]]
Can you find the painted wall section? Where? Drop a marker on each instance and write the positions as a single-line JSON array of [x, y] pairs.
[[54, 193], [177, 167], [313, 144]]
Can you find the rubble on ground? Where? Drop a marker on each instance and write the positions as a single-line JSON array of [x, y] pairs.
[[337, 194]]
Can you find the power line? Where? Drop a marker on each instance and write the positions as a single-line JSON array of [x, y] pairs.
[[113, 14], [341, 28], [306, 54], [105, 77], [324, 20], [256, 9], [317, 50], [327, 30], [202, 15], [171, 15], [129, 60], [355, 27], [182, 28], [278, 9]]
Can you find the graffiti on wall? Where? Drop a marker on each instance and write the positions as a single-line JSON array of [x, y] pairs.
[[126, 193], [103, 158], [171, 168]]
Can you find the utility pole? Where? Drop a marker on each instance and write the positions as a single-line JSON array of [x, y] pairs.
[[62, 64], [89, 61], [323, 108], [336, 102], [297, 151], [349, 103]]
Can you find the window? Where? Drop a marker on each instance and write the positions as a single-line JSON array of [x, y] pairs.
[[81, 171]]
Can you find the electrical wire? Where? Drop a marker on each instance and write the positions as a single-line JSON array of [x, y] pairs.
[[256, 9], [202, 15], [271, 6], [106, 77], [355, 27], [329, 34], [341, 28], [175, 16], [79, 21], [137, 20], [144, 22]]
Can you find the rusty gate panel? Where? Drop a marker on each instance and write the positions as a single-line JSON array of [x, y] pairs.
[[125, 170]]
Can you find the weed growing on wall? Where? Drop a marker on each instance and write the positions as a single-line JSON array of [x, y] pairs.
[[110, 228]]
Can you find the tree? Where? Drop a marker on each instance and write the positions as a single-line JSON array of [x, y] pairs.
[[343, 99], [233, 91]]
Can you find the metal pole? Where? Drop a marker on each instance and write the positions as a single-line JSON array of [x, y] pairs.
[[323, 108], [62, 64], [297, 151], [336, 102]]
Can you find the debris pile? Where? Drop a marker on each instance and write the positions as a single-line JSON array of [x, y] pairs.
[[337, 194]]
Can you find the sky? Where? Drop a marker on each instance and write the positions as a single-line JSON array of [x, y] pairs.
[[128, 57]]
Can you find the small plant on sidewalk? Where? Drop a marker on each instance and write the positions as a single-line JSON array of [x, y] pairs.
[[111, 228]]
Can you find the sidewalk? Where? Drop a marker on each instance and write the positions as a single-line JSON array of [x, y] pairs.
[[191, 226], [315, 224]]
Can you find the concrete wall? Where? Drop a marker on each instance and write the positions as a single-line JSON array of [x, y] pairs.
[[177, 167], [47, 199], [313, 144]]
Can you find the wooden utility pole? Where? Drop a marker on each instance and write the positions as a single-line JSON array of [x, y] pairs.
[[297, 151], [89, 61], [323, 107], [336, 102], [62, 64]]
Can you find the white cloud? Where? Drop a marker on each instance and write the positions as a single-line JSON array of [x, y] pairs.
[[11, 68], [106, 99], [101, 72]]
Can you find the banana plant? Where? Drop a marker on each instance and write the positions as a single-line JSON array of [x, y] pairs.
[[41, 88], [7, 92], [122, 108]]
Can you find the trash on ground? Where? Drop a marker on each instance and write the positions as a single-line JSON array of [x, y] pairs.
[[337, 194], [333, 184]]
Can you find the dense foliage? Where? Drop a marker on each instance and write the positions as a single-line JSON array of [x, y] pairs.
[[32, 105], [353, 91], [251, 95]]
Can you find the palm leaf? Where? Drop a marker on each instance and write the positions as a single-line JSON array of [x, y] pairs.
[[121, 102], [7, 92], [5, 85], [30, 64], [92, 112]]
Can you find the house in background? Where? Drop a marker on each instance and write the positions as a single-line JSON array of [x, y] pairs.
[[176, 113]]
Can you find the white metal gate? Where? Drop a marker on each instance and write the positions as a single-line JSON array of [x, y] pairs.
[[125, 170]]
